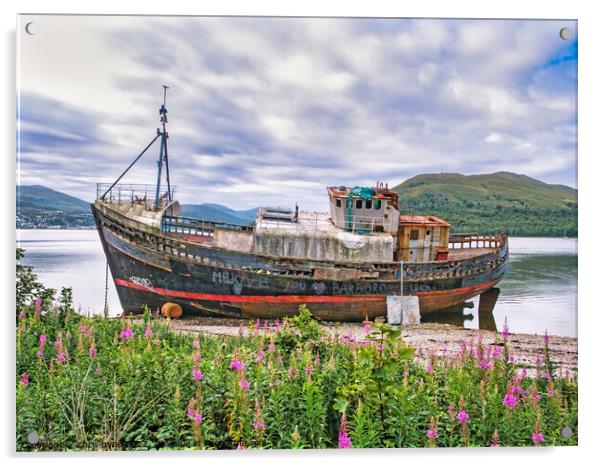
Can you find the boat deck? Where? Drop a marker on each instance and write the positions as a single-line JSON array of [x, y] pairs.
[[468, 253]]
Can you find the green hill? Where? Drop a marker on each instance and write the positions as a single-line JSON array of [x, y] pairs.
[[516, 204], [41, 207], [40, 197]]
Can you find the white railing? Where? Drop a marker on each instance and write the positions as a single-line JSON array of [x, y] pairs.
[[143, 194]]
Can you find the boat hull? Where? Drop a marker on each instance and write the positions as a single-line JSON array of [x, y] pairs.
[[225, 284]]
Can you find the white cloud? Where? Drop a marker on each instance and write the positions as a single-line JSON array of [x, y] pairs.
[[278, 108]]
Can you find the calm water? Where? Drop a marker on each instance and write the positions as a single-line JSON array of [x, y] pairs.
[[539, 292]]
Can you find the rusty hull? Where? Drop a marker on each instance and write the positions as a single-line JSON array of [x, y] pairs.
[[151, 268]]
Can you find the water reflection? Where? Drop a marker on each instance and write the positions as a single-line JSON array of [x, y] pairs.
[[538, 293], [462, 316]]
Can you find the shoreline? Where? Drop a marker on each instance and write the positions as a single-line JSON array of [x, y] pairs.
[[93, 227], [444, 340]]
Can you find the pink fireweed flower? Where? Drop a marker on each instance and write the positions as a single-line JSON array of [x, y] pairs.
[[194, 415], [237, 366], [309, 369], [505, 330], [537, 438], [25, 379], [126, 333], [82, 328], [197, 374], [244, 385], [196, 357], [463, 417], [196, 344], [258, 425], [432, 434], [148, 332], [495, 440], [344, 440], [61, 358], [271, 347], [546, 337], [429, 368], [92, 352], [277, 325], [42, 343], [367, 327], [38, 307], [260, 356], [510, 401]]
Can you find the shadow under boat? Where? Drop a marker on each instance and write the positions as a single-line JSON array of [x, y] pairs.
[[455, 315]]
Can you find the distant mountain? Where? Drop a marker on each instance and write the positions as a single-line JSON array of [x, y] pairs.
[[42, 207], [514, 203], [43, 198], [503, 201], [219, 213]]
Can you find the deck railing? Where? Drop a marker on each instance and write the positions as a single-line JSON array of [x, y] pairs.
[[475, 240], [191, 226], [133, 194]]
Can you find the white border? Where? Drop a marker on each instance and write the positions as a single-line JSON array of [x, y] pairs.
[[589, 248]]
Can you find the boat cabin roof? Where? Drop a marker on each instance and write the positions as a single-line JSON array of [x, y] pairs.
[[422, 220]]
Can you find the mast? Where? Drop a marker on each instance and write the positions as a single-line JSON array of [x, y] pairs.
[[163, 158]]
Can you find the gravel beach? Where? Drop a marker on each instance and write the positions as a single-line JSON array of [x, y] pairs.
[[426, 337]]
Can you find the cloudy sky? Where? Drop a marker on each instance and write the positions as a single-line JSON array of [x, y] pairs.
[[271, 110]]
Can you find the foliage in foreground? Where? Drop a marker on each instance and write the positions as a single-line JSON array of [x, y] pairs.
[[93, 383]]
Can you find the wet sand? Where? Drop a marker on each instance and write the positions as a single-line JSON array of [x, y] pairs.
[[425, 337]]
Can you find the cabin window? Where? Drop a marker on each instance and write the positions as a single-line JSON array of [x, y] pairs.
[[428, 232], [338, 202], [377, 204], [413, 234], [369, 204], [349, 203], [358, 204]]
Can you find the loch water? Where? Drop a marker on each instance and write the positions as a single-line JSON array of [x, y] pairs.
[[538, 293]]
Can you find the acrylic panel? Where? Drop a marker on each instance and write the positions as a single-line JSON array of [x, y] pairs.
[[284, 233]]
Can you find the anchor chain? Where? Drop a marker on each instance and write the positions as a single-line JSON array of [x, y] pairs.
[[106, 308]]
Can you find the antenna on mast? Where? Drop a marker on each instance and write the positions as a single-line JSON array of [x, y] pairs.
[[163, 151]]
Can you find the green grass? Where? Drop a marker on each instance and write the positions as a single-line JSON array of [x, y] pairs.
[[288, 386]]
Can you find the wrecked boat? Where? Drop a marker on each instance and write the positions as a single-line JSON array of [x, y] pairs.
[[342, 264]]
